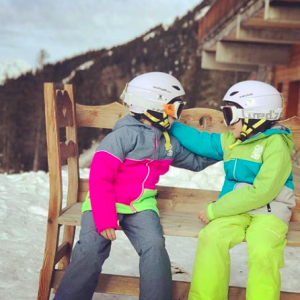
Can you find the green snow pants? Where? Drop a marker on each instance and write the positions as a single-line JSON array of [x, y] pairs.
[[266, 239]]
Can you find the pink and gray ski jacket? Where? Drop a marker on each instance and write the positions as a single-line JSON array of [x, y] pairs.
[[126, 168]]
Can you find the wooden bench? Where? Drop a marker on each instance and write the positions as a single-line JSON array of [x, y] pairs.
[[178, 206]]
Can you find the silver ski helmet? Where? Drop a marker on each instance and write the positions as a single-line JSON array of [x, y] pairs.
[[153, 91], [254, 100]]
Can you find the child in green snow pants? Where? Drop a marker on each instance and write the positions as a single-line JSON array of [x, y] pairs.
[[256, 198], [265, 237]]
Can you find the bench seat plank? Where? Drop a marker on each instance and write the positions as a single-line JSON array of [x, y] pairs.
[[175, 223], [127, 285]]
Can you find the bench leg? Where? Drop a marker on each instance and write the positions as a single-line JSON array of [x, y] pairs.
[[47, 270], [68, 237]]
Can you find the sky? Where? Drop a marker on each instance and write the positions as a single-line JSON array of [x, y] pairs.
[[65, 28]]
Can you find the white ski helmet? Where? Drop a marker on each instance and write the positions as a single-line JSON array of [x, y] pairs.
[[151, 91], [258, 100]]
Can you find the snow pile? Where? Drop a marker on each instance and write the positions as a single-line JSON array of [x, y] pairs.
[[201, 13], [149, 36], [84, 66], [23, 217]]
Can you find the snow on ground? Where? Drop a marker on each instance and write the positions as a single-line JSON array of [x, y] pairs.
[[23, 215]]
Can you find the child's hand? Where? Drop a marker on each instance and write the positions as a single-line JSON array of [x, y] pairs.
[[203, 216], [109, 234]]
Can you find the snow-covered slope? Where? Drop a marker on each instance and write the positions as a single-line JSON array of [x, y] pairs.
[[12, 68]]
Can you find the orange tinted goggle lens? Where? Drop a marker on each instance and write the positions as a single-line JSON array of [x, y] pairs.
[[174, 110], [170, 110]]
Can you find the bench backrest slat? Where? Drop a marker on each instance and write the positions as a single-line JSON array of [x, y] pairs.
[[104, 116]]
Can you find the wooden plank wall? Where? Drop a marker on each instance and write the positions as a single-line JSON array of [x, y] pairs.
[[288, 74]]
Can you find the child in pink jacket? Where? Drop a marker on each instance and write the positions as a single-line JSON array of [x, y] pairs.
[[124, 172]]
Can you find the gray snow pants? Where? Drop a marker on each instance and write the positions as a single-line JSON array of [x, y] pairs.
[[145, 234]]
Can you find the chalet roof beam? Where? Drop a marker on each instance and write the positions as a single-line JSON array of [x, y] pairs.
[[252, 54], [282, 11], [266, 35], [208, 62], [209, 42], [288, 2], [258, 22]]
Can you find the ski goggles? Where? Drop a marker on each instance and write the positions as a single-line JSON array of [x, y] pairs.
[[175, 108], [233, 114]]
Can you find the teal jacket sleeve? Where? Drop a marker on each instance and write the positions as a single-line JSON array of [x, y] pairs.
[[188, 160], [202, 143], [269, 181]]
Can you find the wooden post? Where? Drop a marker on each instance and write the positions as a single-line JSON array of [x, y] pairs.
[[55, 199], [73, 175]]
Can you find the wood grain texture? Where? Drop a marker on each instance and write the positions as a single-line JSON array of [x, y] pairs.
[[104, 116], [55, 197], [128, 285], [73, 173]]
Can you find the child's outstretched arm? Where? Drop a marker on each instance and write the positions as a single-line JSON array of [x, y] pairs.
[[201, 143], [186, 159], [273, 174]]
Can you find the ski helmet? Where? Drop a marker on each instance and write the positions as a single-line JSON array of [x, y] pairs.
[[152, 91], [255, 100], [256, 103]]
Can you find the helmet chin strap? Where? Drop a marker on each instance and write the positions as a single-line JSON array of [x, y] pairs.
[[249, 126], [160, 121]]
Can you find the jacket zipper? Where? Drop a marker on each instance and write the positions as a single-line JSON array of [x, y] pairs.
[[131, 203], [234, 168]]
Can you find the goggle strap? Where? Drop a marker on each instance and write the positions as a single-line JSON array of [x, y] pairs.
[[253, 114]]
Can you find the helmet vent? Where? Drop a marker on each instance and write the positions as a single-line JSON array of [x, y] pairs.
[[176, 87], [233, 93]]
